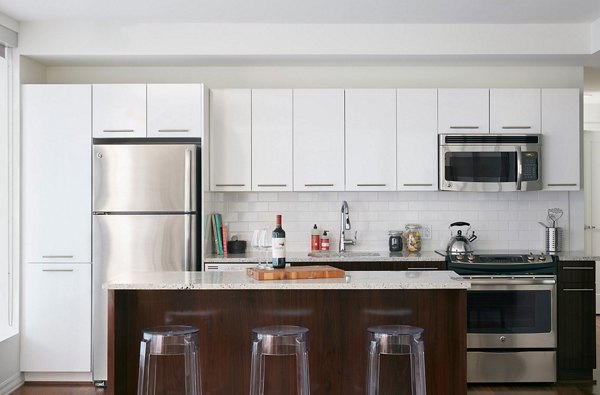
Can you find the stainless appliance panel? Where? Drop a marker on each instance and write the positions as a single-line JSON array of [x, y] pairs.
[[130, 243], [513, 367], [151, 177], [516, 339]]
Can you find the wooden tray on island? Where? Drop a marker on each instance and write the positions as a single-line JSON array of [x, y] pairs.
[[295, 273]]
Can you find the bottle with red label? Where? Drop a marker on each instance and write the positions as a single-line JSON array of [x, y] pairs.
[[325, 241], [315, 239]]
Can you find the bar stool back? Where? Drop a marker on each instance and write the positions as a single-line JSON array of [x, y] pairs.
[[279, 340], [164, 341], [396, 340]]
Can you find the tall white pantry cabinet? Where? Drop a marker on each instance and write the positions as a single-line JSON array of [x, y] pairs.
[[56, 196]]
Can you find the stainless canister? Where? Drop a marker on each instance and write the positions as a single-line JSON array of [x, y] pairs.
[[553, 239]]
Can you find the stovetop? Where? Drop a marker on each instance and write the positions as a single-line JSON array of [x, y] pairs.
[[501, 262]]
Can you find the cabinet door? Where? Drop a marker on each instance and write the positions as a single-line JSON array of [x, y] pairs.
[[230, 139], [370, 139], [417, 146], [56, 165], [119, 110], [561, 135], [56, 318], [515, 110], [272, 140], [175, 110], [319, 140], [463, 111]]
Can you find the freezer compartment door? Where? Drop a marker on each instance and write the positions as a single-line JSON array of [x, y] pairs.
[[135, 243], [151, 178]]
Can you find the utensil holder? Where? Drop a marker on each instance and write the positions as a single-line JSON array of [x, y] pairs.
[[553, 239]]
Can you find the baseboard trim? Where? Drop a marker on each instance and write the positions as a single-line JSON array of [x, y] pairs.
[[82, 377], [11, 384]]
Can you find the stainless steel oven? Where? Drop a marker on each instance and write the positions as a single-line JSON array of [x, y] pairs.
[[490, 162], [511, 316]]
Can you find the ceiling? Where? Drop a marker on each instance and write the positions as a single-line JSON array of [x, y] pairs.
[[307, 11]]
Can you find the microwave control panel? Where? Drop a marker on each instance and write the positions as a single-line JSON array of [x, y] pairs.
[[529, 166]]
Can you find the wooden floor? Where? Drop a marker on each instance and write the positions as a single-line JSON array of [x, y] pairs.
[[558, 389]]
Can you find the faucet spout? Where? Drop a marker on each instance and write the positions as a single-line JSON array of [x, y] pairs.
[[344, 226]]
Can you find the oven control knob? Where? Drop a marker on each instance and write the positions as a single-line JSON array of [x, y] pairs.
[[460, 257], [503, 339], [542, 257], [471, 257], [530, 257]]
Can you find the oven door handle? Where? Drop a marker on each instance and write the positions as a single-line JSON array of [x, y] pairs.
[[519, 167], [511, 281]]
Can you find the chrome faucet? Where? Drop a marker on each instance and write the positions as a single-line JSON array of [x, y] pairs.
[[344, 226]]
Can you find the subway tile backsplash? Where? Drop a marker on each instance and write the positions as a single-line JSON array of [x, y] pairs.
[[501, 221]]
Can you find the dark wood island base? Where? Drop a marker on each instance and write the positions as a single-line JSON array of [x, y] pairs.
[[337, 320]]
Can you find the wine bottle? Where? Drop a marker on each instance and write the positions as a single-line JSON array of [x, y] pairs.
[[278, 245]]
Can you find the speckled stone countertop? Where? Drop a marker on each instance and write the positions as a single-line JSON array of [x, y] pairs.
[[353, 256], [238, 280], [575, 256]]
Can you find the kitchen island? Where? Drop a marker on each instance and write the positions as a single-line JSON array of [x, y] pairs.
[[225, 306]]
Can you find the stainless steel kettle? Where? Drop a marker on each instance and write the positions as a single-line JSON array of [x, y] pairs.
[[459, 243]]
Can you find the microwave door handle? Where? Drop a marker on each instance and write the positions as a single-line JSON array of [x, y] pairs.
[[519, 167]]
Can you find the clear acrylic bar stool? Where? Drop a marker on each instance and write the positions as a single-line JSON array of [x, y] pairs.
[[279, 340], [165, 341], [396, 340]]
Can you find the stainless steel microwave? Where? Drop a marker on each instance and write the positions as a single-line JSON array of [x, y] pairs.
[[490, 162]]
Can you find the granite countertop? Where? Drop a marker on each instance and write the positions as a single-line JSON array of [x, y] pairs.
[[238, 280], [353, 256], [575, 256]]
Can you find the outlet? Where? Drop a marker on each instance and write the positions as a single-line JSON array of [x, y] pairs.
[[426, 232]]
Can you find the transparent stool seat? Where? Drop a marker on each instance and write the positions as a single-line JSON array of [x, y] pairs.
[[279, 340], [169, 340], [396, 340]]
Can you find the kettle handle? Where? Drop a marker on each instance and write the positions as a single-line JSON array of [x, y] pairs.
[[459, 224]]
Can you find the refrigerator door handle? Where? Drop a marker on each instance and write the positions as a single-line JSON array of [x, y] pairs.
[[187, 240], [188, 180]]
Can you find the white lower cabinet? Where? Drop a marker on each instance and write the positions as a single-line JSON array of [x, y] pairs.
[[56, 318]]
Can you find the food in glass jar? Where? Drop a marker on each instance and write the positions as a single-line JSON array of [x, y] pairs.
[[413, 237]]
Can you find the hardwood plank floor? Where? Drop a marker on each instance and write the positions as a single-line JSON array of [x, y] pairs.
[[558, 389]]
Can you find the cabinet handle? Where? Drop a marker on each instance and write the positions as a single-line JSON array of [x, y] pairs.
[[578, 289], [173, 130], [422, 268], [271, 185], [371, 185], [578, 268], [562, 185], [230, 185], [118, 130], [586, 227], [516, 127], [212, 267], [58, 256], [318, 185], [464, 127], [57, 270], [417, 185]]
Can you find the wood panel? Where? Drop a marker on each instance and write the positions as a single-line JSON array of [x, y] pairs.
[[337, 320]]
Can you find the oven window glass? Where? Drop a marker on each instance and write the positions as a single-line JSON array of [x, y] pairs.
[[481, 166], [509, 311]]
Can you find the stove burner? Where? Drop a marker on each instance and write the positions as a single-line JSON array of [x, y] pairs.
[[502, 264]]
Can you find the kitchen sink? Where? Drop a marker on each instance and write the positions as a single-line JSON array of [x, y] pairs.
[[346, 254]]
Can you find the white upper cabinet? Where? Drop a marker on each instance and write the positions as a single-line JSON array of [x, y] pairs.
[[370, 139], [561, 136], [319, 140], [272, 140], [175, 110], [230, 140], [56, 173], [515, 110], [417, 140], [463, 111], [119, 110]]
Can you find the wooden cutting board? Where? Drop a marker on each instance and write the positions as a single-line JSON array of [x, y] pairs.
[[295, 273]]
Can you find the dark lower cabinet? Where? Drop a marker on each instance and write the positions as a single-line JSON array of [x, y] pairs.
[[576, 326], [380, 265]]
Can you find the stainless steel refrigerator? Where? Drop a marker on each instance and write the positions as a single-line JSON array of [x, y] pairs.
[[145, 207]]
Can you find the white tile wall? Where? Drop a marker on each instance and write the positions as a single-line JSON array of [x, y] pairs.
[[501, 220]]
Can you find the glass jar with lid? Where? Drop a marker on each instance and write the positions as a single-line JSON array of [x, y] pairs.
[[395, 241], [412, 237]]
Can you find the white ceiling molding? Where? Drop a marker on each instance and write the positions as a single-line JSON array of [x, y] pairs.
[[595, 36], [8, 37]]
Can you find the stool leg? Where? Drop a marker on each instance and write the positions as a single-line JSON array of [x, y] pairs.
[[373, 368], [191, 368], [418, 368], [143, 367], [257, 369], [302, 372]]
